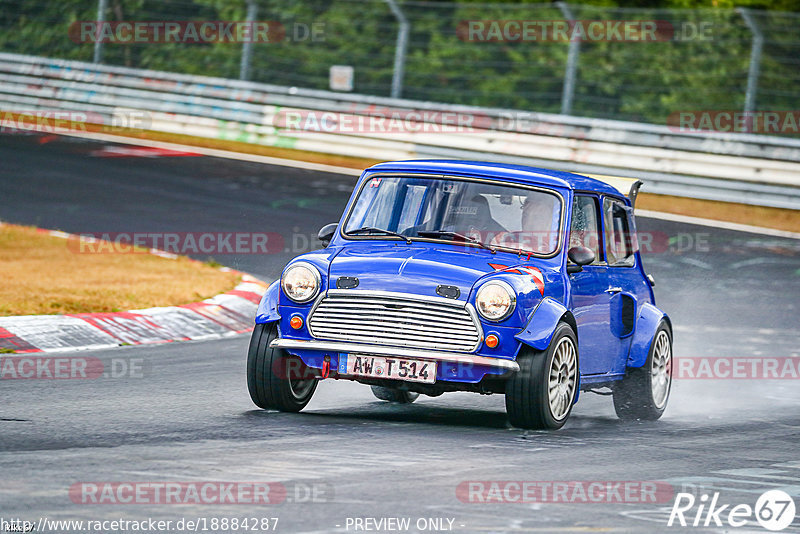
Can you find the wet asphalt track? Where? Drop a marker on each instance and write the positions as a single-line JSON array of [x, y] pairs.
[[189, 418]]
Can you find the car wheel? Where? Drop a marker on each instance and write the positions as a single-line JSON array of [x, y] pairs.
[[541, 394], [644, 392], [394, 395], [276, 379]]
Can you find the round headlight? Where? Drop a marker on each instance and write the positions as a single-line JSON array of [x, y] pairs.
[[495, 301], [300, 282]]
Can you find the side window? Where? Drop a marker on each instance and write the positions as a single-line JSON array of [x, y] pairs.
[[619, 250], [585, 226]]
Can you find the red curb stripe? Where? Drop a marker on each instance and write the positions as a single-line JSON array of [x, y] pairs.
[[127, 327], [140, 152], [221, 315], [249, 295], [15, 343]]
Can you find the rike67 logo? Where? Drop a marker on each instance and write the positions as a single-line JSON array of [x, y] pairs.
[[774, 510]]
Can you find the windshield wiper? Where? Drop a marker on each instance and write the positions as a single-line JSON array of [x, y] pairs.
[[440, 233], [371, 229]]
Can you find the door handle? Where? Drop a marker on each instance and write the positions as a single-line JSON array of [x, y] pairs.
[[614, 290]]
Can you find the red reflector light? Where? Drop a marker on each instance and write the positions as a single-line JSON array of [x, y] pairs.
[[296, 322], [492, 341]]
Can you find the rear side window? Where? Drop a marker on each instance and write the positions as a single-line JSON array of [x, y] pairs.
[[585, 226], [619, 247]]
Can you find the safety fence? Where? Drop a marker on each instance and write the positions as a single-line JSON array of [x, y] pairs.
[[747, 168]]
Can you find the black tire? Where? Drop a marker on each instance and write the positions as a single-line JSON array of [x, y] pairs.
[[527, 392], [394, 395], [276, 379], [634, 396]]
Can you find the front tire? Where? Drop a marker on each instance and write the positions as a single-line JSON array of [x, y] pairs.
[[394, 395], [541, 394], [276, 379], [644, 392]]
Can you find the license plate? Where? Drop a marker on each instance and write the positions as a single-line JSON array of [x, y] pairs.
[[388, 367]]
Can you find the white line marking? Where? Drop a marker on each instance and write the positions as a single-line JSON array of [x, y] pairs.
[[697, 263], [762, 261], [217, 153], [772, 474], [790, 465], [717, 224]]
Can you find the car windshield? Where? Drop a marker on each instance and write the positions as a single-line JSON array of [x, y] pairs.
[[499, 216]]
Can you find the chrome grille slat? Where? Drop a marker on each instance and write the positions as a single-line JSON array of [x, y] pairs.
[[429, 315], [384, 318], [387, 327], [407, 341], [348, 317], [392, 330], [439, 312]]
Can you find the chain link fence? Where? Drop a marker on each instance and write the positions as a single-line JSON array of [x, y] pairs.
[[491, 55]]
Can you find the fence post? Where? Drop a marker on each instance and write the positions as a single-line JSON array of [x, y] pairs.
[[399, 50], [247, 46], [98, 42], [755, 61], [568, 91]]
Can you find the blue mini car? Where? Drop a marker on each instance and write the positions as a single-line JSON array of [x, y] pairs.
[[471, 276]]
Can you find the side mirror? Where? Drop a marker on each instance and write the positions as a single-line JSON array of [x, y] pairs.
[[326, 233], [580, 256]]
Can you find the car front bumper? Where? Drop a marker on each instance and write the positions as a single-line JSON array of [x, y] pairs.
[[336, 347]]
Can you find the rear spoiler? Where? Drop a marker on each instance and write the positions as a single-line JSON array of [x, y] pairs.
[[628, 187]]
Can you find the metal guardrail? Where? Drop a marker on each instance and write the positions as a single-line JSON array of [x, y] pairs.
[[752, 169]]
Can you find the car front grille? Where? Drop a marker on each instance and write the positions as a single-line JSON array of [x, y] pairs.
[[395, 319]]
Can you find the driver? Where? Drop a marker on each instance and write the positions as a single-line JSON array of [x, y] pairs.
[[477, 217], [472, 217]]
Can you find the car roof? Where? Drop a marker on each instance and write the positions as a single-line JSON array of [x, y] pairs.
[[518, 173]]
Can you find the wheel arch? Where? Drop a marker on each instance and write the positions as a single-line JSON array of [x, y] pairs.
[[542, 323], [268, 307], [647, 323], [570, 320]]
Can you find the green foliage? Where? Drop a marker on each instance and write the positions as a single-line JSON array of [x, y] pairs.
[[626, 80]]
